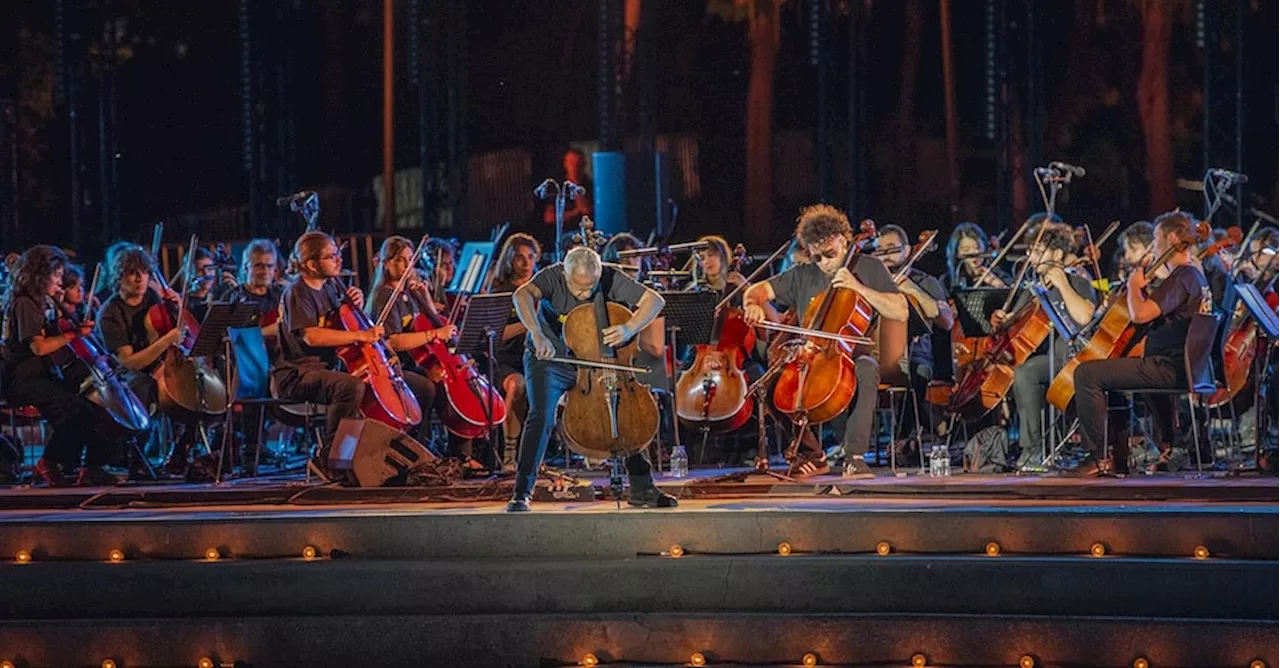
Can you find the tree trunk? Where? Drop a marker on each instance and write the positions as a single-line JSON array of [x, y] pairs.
[[1153, 101], [764, 23]]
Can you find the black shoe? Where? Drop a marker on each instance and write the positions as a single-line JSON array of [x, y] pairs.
[[651, 497], [519, 504]]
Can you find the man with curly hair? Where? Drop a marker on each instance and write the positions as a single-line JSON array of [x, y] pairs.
[[825, 233]]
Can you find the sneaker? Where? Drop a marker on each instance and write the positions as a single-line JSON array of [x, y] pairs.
[[807, 468], [856, 467], [50, 473], [651, 497], [519, 504], [95, 476]]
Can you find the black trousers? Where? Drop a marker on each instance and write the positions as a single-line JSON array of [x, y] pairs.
[[1093, 379], [71, 418], [341, 392], [545, 383], [857, 421]]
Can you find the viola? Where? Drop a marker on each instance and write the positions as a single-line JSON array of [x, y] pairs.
[[388, 398], [819, 382], [712, 392], [1114, 334]]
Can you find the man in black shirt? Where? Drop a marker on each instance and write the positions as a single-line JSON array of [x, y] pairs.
[[825, 232], [542, 305], [1182, 295], [257, 285]]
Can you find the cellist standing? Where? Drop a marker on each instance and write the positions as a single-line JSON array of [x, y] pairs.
[[825, 233]]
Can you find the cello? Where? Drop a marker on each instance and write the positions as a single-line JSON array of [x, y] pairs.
[[818, 382], [1240, 347], [712, 392], [1114, 333]]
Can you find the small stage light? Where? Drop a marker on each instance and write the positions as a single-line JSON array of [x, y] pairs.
[[697, 659], [22, 557], [115, 556], [589, 660], [883, 548], [676, 551], [6, 664], [212, 554], [108, 663], [919, 661], [1257, 663], [993, 549], [1201, 552], [309, 553], [1027, 661], [1098, 550], [205, 662], [1141, 663], [809, 660], [784, 549]]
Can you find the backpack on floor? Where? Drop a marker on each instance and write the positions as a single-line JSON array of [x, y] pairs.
[[987, 451]]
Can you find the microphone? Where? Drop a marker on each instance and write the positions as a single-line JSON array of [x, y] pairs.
[[573, 190], [1234, 177], [546, 189], [291, 200], [1064, 167]]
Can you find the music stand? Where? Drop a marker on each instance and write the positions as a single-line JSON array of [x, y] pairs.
[[974, 307], [691, 313], [1266, 318], [483, 321], [214, 340]]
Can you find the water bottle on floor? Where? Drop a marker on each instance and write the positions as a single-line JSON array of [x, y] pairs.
[[937, 455], [945, 456], [679, 462]]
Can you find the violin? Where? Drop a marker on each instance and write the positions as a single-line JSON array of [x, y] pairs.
[[388, 398], [818, 382], [1114, 334], [713, 392]]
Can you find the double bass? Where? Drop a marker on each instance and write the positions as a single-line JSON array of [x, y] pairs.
[[818, 382], [1114, 334], [712, 392]]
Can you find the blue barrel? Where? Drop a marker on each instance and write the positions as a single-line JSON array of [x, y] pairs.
[[610, 191]]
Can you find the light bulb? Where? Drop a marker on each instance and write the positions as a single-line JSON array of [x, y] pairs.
[[784, 549], [22, 557], [883, 548], [1098, 549], [309, 553], [918, 661], [676, 551], [697, 659], [809, 660], [6, 664], [1201, 552], [1141, 663], [1027, 661], [589, 660], [205, 662], [212, 554], [1257, 663], [993, 549], [108, 663], [116, 555]]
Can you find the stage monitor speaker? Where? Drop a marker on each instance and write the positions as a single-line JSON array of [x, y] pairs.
[[374, 454]]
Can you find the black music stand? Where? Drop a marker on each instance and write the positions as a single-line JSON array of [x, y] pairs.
[[974, 307], [483, 321], [693, 315], [214, 340]]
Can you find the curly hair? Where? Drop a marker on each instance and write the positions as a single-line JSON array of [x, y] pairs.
[[1056, 236], [126, 259], [506, 259], [32, 271], [820, 222]]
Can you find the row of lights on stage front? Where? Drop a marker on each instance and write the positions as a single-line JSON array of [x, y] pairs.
[[883, 548], [809, 660], [116, 555]]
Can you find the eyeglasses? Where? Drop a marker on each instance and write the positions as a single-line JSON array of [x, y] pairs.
[[331, 256]]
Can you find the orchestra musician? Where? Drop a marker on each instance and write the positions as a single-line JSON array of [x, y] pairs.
[[395, 258], [1134, 243], [930, 313], [652, 339], [1071, 293], [1183, 293], [257, 283], [442, 255], [826, 233], [307, 369], [967, 258], [71, 297], [541, 304], [517, 263], [30, 377], [200, 286]]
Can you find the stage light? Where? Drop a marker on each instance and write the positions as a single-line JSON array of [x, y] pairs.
[[115, 556], [809, 660], [589, 659], [697, 659], [1257, 663], [993, 549], [212, 554], [1027, 661], [108, 663], [22, 557], [7, 664], [1098, 549], [1201, 552], [676, 551], [919, 661], [883, 548], [1141, 663], [309, 553], [784, 549], [205, 662]]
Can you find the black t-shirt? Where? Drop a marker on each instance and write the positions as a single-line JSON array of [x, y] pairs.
[[303, 308], [1217, 277], [557, 301], [402, 312], [120, 324], [263, 303], [24, 319], [508, 352], [1182, 295], [799, 284], [919, 331]]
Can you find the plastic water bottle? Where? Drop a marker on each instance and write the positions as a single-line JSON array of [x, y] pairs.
[[679, 462], [945, 456], [937, 455]]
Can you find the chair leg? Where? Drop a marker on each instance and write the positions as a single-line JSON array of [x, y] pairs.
[[1195, 432], [915, 408], [893, 433]]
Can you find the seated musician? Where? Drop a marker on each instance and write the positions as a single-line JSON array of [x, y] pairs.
[[1182, 294], [394, 259], [1258, 259], [308, 366], [1071, 293], [122, 325], [1213, 267], [930, 312], [31, 377], [71, 297], [721, 280], [825, 232], [542, 303], [967, 259], [652, 339], [257, 283], [1134, 244], [200, 286], [442, 256], [517, 264]]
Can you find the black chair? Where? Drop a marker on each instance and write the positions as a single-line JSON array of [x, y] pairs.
[[1197, 355]]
